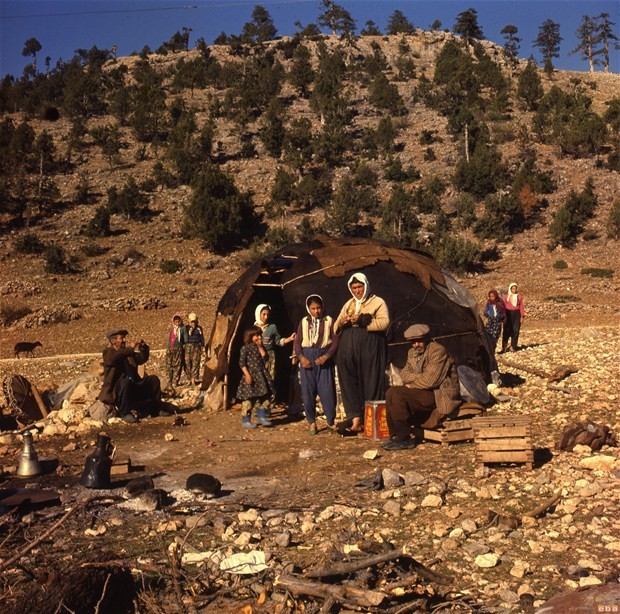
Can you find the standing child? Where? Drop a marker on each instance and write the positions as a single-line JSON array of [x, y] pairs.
[[193, 349], [315, 346], [174, 352], [495, 312], [256, 388]]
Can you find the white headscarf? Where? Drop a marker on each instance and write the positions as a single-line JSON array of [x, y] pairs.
[[314, 322], [512, 297], [361, 278], [257, 313]]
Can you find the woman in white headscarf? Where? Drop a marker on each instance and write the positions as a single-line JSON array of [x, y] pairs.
[[515, 314], [362, 352]]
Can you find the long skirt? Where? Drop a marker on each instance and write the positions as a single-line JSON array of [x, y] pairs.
[[361, 362], [319, 380]]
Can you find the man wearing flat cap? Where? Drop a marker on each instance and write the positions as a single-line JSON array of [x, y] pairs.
[[122, 384], [429, 393]]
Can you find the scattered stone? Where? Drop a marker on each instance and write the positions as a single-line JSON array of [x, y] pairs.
[[413, 478], [509, 597], [432, 501], [589, 581], [196, 521], [392, 507], [283, 540], [250, 515], [169, 437], [391, 478], [487, 560], [475, 549], [519, 569], [244, 539], [169, 525], [598, 463], [371, 454], [590, 564]]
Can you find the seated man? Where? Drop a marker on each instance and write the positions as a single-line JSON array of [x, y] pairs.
[[430, 391], [122, 385]]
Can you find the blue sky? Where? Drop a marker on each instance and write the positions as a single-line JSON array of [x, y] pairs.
[[64, 26]]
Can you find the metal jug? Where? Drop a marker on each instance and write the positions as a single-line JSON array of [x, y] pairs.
[[98, 465], [29, 460]]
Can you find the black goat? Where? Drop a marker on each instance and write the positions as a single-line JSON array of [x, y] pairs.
[[27, 347]]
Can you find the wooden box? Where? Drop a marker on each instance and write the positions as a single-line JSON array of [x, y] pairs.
[[503, 439], [456, 429]]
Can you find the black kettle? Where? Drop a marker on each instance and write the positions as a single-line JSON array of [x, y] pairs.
[[98, 465]]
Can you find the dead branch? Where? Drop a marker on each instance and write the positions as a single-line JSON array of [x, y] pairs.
[[531, 370], [6, 564], [561, 372], [342, 569], [105, 587], [543, 507], [340, 593], [561, 389], [126, 564]]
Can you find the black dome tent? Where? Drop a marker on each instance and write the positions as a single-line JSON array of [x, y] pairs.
[[413, 285]]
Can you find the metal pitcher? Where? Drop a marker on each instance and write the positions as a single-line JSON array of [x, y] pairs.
[[98, 465], [29, 460]]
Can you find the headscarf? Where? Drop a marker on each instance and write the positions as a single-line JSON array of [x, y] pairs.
[[257, 311], [359, 278], [498, 303], [314, 322], [512, 297], [175, 331]]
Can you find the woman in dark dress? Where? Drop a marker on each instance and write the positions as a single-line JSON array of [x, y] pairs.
[[362, 352]]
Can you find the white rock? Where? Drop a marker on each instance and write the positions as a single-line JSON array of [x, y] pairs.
[[519, 568], [432, 501], [590, 564], [589, 581], [615, 546], [250, 515], [55, 429], [371, 454], [307, 526], [598, 463], [525, 589], [490, 559], [244, 539]]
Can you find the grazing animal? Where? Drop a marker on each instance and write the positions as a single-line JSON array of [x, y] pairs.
[[27, 347]]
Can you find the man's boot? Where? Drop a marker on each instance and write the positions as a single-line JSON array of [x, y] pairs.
[[262, 415]]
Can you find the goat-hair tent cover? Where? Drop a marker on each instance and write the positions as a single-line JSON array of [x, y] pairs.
[[412, 284]]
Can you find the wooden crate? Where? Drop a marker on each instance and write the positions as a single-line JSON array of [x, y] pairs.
[[503, 439], [457, 429]]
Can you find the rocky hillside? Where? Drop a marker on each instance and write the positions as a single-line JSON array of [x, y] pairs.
[[120, 277]]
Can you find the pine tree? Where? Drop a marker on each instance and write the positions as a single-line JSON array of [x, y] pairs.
[[467, 26], [31, 47], [336, 18], [343, 214], [605, 34], [272, 132], [548, 41], [399, 221], [587, 37], [301, 75], [370, 29], [399, 24], [529, 87], [511, 46], [261, 28]]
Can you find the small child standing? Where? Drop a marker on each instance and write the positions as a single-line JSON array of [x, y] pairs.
[[193, 349], [495, 312], [271, 336], [256, 388], [174, 352], [315, 346]]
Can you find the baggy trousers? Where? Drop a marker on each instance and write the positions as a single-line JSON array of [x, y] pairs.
[[361, 361], [318, 380], [512, 328], [407, 407], [130, 395]]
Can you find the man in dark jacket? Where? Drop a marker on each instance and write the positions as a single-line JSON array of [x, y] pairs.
[[122, 384], [429, 393]]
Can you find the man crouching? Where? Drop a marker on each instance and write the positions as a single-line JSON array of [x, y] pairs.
[[429, 393], [122, 384]]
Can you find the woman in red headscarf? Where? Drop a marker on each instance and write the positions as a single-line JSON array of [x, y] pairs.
[[495, 312]]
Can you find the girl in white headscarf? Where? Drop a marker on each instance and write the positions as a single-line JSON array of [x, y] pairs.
[[515, 314], [362, 352]]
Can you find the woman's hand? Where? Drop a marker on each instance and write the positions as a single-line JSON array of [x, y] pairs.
[[248, 379], [305, 363], [321, 360]]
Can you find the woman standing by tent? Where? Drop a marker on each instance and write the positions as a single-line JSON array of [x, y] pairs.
[[495, 312], [515, 314], [362, 352]]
